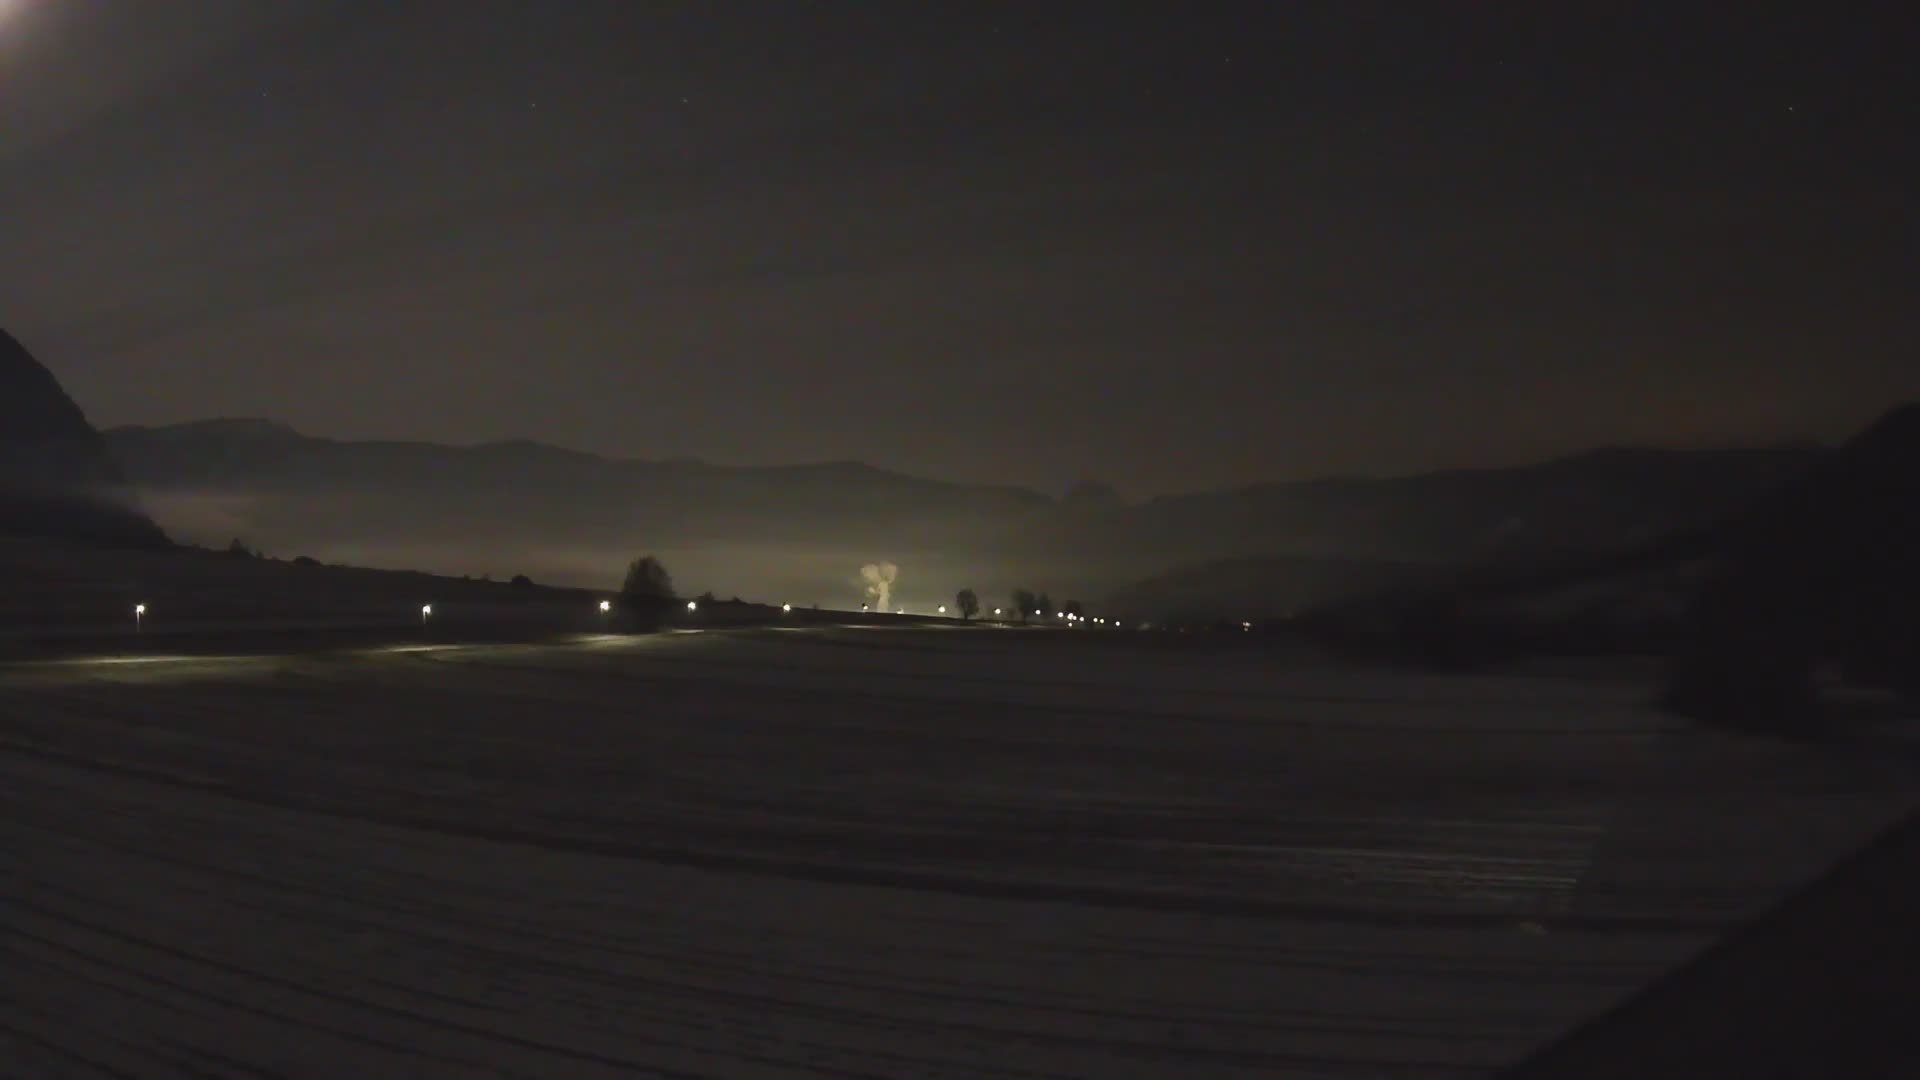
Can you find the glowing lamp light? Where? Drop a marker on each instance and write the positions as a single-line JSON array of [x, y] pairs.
[[996, 611], [787, 608], [426, 612], [606, 606], [943, 609], [693, 605]]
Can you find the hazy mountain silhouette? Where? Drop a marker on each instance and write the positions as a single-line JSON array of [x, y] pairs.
[[796, 531], [1603, 498], [1280, 547], [56, 477], [1748, 598], [570, 515]]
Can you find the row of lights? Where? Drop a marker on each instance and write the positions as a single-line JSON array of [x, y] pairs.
[[606, 607]]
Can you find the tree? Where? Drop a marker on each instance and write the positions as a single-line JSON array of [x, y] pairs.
[[968, 603], [1024, 603], [521, 581], [1045, 603], [647, 580]]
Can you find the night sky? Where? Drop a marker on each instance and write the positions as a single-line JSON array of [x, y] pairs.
[[1170, 246]]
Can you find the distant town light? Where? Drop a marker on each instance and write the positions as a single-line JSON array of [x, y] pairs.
[[693, 605], [996, 611], [426, 612], [606, 606], [943, 609], [786, 607], [139, 609]]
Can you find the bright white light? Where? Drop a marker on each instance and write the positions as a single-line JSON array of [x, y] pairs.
[[943, 609], [899, 611], [606, 606], [426, 612], [996, 611], [139, 609], [786, 607], [693, 605]]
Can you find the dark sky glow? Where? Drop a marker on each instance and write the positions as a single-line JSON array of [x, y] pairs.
[[1011, 242]]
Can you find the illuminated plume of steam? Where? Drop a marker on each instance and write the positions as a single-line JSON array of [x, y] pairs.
[[879, 582]]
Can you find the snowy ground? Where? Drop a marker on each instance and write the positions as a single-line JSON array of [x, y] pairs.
[[862, 852]]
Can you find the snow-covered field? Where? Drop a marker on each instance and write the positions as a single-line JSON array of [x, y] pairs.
[[862, 852]]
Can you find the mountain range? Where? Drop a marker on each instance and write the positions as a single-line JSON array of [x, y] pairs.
[[802, 532]]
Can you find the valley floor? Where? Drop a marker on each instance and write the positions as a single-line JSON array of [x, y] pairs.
[[847, 851]]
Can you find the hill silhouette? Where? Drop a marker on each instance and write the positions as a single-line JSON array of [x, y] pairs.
[[804, 530], [57, 479], [1748, 603], [1826, 568]]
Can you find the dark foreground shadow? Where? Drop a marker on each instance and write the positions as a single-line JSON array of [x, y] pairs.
[[1824, 985]]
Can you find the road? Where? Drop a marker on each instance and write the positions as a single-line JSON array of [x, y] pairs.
[[860, 851]]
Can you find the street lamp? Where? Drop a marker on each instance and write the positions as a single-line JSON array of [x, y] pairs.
[[139, 612], [996, 613], [606, 606], [693, 605], [943, 609], [426, 612], [786, 609]]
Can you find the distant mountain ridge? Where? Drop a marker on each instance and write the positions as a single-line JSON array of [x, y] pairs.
[[248, 450], [803, 530]]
